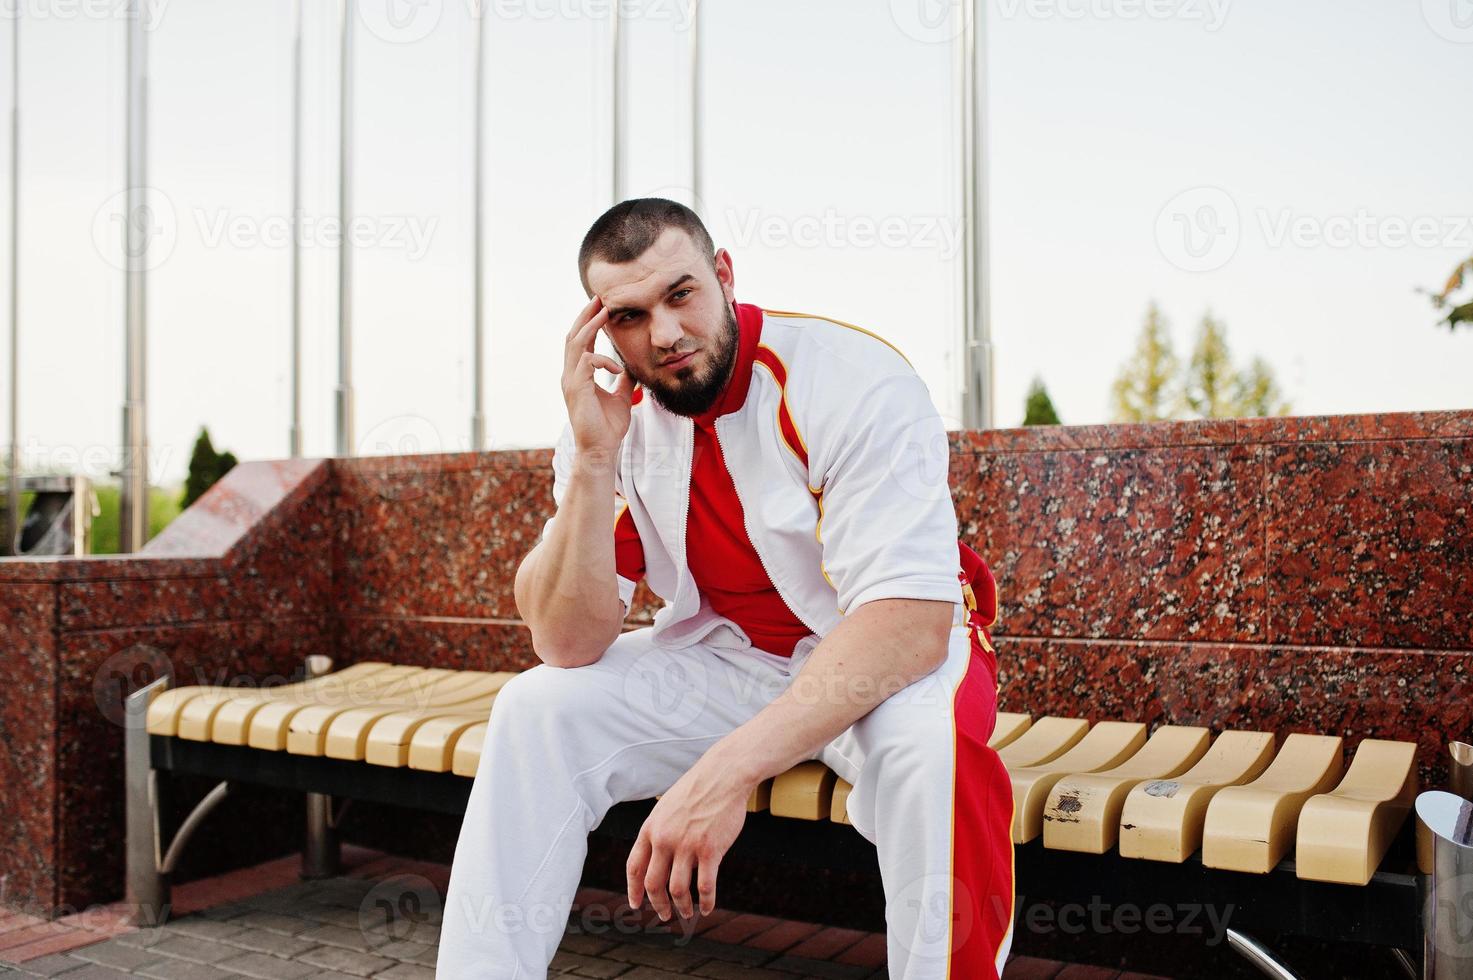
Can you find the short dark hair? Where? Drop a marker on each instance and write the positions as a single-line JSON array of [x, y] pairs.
[[627, 230]]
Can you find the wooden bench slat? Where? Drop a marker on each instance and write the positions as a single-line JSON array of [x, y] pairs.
[[311, 729], [839, 809], [1250, 827], [1044, 741], [269, 726], [390, 740], [1344, 834], [1106, 745], [1161, 819], [1082, 812], [167, 712], [468, 750], [761, 797], [804, 791], [1009, 726]]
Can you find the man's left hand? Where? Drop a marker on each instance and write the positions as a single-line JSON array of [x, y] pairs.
[[690, 829]]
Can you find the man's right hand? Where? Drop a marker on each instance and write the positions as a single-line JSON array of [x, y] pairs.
[[599, 417]]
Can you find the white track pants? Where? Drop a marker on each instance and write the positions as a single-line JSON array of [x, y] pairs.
[[564, 745]]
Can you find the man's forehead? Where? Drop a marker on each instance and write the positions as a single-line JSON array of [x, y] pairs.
[[646, 278]]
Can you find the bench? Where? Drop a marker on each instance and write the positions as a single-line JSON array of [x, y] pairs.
[[1283, 833]]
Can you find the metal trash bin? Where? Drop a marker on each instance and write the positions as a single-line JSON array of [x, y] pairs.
[[59, 518]]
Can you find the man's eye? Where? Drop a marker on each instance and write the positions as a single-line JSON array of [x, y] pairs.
[[679, 294]]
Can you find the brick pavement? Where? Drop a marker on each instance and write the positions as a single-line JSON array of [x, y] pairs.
[[381, 920]]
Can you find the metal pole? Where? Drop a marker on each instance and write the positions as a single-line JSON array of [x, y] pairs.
[[616, 100], [295, 438], [344, 445], [1447, 914], [977, 387], [11, 545], [133, 519], [696, 163], [478, 252]]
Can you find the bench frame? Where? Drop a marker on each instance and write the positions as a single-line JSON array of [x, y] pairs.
[[1386, 912]]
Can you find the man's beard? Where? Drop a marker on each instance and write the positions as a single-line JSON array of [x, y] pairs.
[[694, 395]]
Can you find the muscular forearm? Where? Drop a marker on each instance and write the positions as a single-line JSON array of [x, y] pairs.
[[884, 646], [566, 589]]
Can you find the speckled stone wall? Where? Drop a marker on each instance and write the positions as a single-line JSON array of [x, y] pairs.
[[1303, 574]]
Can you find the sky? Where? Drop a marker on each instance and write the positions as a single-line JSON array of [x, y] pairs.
[[1298, 170]]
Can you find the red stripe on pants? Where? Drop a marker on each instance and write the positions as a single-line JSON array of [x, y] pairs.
[[982, 819]]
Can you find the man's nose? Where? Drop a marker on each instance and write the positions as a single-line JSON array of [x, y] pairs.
[[665, 331]]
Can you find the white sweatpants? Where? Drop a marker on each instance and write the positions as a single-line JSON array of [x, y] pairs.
[[564, 745]]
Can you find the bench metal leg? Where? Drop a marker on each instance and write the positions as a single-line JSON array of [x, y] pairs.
[[147, 886], [1260, 956], [322, 852]]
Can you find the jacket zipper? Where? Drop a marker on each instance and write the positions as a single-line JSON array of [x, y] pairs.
[[716, 438]]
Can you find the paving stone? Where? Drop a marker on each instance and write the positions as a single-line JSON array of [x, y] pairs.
[[346, 938], [202, 928], [189, 948], [274, 922], [47, 966], [96, 971], [182, 970], [117, 955], [345, 960], [820, 968], [266, 967], [271, 943], [674, 960], [406, 971], [586, 966]]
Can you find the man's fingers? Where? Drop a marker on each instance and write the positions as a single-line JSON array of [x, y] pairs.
[[706, 884], [680, 873], [634, 870], [582, 337], [657, 882]]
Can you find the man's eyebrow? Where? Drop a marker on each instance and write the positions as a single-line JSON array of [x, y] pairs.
[[619, 311]]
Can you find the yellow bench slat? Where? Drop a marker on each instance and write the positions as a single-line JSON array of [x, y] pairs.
[[270, 725], [761, 797], [468, 750], [1161, 819], [1250, 827], [1344, 834], [169, 714], [1106, 745], [1044, 741], [839, 809], [389, 740], [1083, 810], [804, 791], [309, 729], [1009, 726]]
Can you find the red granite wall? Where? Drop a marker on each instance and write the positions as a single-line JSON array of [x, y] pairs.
[[1304, 574]]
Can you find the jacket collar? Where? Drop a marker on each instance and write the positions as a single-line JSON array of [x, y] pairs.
[[734, 395]]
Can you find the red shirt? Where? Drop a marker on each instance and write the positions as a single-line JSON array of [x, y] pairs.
[[726, 568]]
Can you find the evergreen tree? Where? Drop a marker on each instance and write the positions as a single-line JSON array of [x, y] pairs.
[[1040, 408], [1145, 390], [1211, 383], [205, 467], [1258, 393]]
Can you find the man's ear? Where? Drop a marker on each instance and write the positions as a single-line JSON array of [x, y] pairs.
[[724, 274]]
